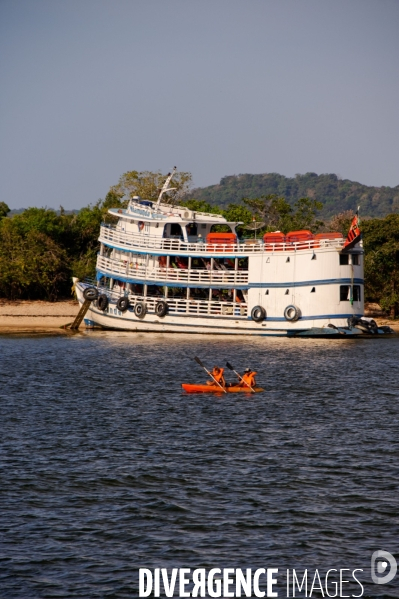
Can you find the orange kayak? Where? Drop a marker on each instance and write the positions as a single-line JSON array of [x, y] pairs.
[[215, 389]]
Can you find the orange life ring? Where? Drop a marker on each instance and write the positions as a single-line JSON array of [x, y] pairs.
[[141, 225]]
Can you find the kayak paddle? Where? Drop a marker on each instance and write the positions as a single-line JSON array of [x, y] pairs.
[[239, 375], [207, 371]]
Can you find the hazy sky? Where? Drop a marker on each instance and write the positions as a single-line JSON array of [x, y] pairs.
[[93, 88]]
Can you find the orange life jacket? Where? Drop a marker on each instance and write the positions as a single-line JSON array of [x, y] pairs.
[[248, 378], [218, 376]]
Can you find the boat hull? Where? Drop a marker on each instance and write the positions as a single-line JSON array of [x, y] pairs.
[[113, 319], [213, 326], [215, 389]]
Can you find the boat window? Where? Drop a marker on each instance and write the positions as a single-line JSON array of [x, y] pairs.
[[356, 293], [172, 230], [313, 290], [267, 292], [344, 259], [137, 288], [222, 295], [288, 259], [287, 292], [228, 263], [175, 230], [155, 291], [344, 293], [198, 294], [196, 263], [192, 229], [355, 259], [177, 292]]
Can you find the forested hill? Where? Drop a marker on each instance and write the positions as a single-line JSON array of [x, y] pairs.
[[337, 195]]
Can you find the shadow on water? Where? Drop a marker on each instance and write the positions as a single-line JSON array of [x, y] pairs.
[[107, 466]]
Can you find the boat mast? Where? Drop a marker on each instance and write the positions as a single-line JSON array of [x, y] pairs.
[[165, 187]]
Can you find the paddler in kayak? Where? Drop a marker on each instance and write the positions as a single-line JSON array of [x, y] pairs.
[[248, 379], [217, 373]]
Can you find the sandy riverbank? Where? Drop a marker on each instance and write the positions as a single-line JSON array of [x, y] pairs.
[[27, 316]]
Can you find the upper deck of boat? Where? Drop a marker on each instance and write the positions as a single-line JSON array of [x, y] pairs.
[[143, 243], [148, 228]]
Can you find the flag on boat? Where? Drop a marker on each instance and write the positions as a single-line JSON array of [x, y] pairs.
[[354, 233]]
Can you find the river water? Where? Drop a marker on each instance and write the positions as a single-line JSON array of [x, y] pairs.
[[106, 466]]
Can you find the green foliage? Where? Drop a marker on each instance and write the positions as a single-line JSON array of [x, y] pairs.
[[4, 209], [32, 265], [279, 215], [200, 206], [235, 214], [41, 250], [337, 195], [43, 220], [113, 199], [381, 266], [341, 222], [148, 184]]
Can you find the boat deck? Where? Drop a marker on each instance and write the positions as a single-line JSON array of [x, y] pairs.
[[150, 244]]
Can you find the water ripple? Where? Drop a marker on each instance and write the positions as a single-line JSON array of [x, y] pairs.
[[106, 466]]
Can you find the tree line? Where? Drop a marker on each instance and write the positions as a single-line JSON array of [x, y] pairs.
[[41, 249], [336, 194]]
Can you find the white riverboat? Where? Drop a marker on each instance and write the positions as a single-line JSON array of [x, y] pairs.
[[164, 268]]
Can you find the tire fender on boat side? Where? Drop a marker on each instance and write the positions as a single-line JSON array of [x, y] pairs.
[[373, 326], [90, 293], [123, 304], [352, 321], [102, 302], [140, 309], [292, 313], [161, 308], [258, 313]]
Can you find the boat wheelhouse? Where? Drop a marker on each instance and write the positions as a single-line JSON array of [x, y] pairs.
[[169, 269]]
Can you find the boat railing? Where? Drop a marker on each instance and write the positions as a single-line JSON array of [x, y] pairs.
[[190, 306], [163, 211], [110, 235], [132, 269]]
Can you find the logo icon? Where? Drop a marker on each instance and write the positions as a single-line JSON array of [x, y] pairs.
[[379, 564]]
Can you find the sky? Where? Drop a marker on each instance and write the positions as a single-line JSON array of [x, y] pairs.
[[91, 89]]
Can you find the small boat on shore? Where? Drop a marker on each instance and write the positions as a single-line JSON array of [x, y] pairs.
[[216, 389]]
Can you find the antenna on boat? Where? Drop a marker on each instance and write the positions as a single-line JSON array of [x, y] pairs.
[[165, 187], [255, 225]]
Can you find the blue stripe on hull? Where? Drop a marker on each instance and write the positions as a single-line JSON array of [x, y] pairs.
[[307, 283], [321, 317], [172, 284], [219, 285]]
